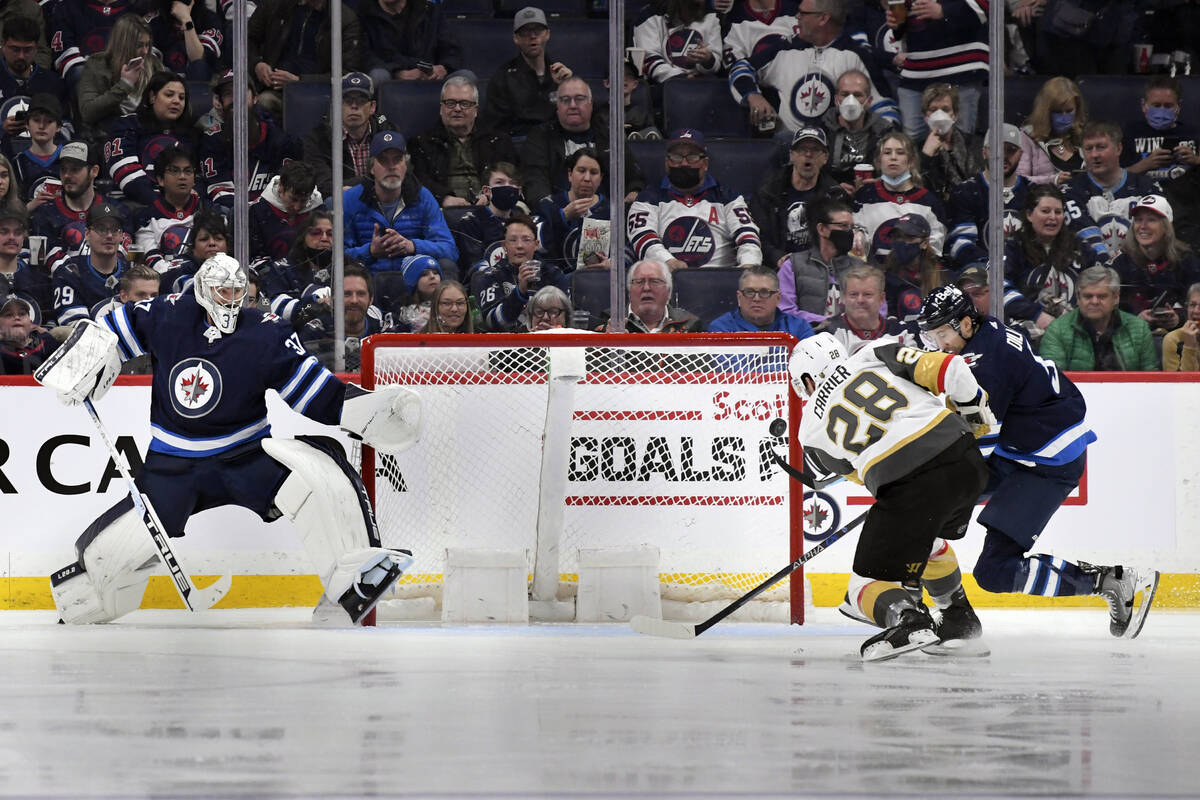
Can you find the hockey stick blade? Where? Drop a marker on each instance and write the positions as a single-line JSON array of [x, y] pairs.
[[661, 627], [681, 630]]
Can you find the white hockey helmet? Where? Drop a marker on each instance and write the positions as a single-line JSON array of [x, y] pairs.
[[815, 357], [220, 286]]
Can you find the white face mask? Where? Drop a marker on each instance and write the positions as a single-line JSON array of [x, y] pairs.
[[850, 108], [940, 122]]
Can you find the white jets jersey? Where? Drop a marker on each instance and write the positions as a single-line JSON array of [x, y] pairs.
[[706, 229], [667, 48], [745, 37], [879, 416], [805, 78]]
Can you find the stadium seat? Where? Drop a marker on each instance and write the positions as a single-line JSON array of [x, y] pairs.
[[704, 104], [412, 106], [305, 105], [469, 8], [650, 157], [1019, 94], [1113, 98], [590, 292], [707, 293], [199, 97]]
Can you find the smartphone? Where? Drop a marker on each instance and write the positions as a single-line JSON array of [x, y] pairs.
[[136, 61], [1170, 142]]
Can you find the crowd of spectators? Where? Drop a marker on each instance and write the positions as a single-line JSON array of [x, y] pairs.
[[867, 119]]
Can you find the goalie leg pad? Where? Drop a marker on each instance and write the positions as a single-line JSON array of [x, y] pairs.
[[326, 501], [116, 560]]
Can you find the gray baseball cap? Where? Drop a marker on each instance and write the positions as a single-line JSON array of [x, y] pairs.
[[529, 16]]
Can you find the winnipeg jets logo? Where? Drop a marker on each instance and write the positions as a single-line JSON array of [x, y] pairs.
[[821, 515], [195, 387], [690, 240], [811, 96]]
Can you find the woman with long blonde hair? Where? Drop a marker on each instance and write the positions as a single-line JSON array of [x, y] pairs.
[[899, 189], [450, 310], [115, 79], [1053, 133]]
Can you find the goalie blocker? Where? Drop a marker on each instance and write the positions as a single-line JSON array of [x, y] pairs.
[[213, 448]]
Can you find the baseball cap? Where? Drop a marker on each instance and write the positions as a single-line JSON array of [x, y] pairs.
[[529, 16], [972, 275], [1010, 133], [16, 298], [358, 82], [687, 136], [911, 225], [1156, 203], [810, 133], [387, 140], [76, 151], [47, 103], [8, 214], [103, 211]]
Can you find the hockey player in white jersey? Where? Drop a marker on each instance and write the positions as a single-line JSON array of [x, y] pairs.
[[877, 419], [213, 363], [690, 220]]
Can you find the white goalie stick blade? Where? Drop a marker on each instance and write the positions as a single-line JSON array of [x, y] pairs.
[[661, 627], [959, 648], [209, 596], [1147, 585]]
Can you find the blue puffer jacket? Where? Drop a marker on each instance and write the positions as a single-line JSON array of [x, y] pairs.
[[420, 220]]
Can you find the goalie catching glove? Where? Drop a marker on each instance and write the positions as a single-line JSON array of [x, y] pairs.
[[84, 367], [976, 412], [388, 419]]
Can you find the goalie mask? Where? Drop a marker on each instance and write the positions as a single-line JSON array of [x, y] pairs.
[[220, 288], [815, 356]]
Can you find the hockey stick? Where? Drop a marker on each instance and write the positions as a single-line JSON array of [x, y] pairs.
[[688, 630], [195, 599]]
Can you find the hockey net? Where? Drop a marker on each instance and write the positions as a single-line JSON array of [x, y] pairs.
[[549, 443]]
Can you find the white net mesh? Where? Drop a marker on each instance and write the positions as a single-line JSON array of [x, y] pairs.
[[663, 445]]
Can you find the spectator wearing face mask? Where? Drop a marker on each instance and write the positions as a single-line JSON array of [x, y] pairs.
[[1053, 144], [854, 129], [479, 231], [1159, 145], [948, 156], [809, 279]]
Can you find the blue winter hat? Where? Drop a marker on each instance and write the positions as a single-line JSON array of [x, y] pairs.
[[414, 266]]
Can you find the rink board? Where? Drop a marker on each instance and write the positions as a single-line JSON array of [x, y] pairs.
[[1136, 503]]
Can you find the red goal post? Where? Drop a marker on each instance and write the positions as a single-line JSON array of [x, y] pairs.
[[550, 442]]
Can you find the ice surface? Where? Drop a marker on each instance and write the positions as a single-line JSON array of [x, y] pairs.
[[246, 704]]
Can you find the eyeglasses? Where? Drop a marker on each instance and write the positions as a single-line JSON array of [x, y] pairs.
[[691, 158], [106, 230], [519, 239], [174, 170], [321, 233], [452, 304], [653, 283], [751, 294], [549, 313], [465, 105], [573, 99]]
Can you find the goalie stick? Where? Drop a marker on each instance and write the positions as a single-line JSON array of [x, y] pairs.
[[194, 598], [688, 630]]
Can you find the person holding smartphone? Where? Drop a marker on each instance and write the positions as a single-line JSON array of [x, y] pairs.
[[1160, 146]]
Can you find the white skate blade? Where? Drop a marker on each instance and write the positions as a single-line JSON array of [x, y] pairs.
[[882, 651], [850, 612], [959, 648], [661, 627], [1148, 588]]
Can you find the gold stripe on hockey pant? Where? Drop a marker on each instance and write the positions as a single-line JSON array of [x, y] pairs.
[[878, 597], [942, 575]]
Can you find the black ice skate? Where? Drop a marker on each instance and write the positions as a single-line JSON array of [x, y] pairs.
[[377, 576], [1119, 586], [915, 630], [960, 632]]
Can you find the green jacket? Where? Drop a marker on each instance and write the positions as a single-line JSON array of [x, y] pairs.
[[1069, 345]]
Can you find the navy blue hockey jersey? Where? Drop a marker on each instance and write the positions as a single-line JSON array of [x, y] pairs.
[[967, 241], [64, 229], [209, 389], [129, 153], [274, 149], [1041, 412], [79, 28], [78, 286]]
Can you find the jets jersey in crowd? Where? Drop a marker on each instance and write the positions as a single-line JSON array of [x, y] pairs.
[[64, 228], [1099, 216], [746, 31], [967, 241], [1141, 140], [711, 228], [667, 47], [209, 388], [78, 286], [875, 204], [129, 153], [1041, 412], [878, 416], [162, 232], [79, 28], [274, 149]]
